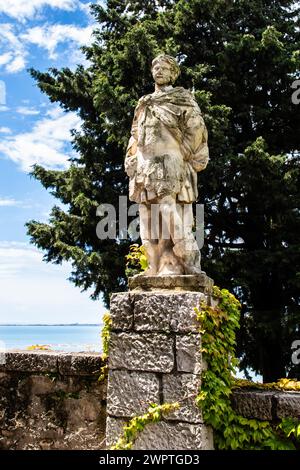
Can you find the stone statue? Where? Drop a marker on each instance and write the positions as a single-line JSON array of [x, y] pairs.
[[168, 146]]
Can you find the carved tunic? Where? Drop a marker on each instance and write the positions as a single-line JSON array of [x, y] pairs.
[[168, 146]]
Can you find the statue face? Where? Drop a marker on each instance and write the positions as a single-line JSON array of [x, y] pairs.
[[162, 73]]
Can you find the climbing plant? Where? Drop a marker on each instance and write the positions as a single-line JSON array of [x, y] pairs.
[[137, 424], [105, 336], [281, 384], [155, 411], [219, 324], [136, 260]]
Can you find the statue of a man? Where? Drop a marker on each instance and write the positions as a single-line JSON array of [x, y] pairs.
[[168, 146]]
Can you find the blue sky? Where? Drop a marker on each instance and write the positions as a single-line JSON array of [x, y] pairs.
[[38, 34]]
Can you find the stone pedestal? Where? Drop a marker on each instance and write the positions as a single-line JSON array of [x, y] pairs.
[[155, 358]]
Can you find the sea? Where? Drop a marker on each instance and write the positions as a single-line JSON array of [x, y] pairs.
[[69, 338]]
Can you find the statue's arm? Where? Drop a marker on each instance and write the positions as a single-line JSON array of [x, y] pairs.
[[131, 158], [195, 138]]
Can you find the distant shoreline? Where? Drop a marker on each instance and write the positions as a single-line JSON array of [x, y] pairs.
[[50, 324]]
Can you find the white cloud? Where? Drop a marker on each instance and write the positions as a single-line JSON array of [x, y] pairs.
[[54, 113], [50, 36], [17, 64], [15, 257], [5, 58], [25, 9], [14, 57], [5, 130], [7, 201], [27, 111], [46, 144], [86, 7], [34, 291], [15, 43], [12, 202], [4, 108]]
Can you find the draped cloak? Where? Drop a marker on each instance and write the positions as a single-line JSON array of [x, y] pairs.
[[173, 116]]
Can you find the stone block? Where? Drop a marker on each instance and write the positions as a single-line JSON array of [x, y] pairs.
[[168, 312], [79, 364], [164, 436], [131, 393], [121, 311], [151, 352], [288, 405], [175, 436], [182, 388], [253, 404], [31, 361], [187, 282], [188, 353], [114, 430]]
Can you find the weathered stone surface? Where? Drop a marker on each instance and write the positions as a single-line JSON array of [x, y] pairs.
[[188, 353], [79, 364], [163, 311], [188, 282], [43, 384], [114, 430], [30, 361], [288, 405], [45, 410], [81, 409], [4, 378], [131, 393], [164, 436], [121, 311], [177, 436], [53, 362], [182, 388], [145, 352], [254, 404]]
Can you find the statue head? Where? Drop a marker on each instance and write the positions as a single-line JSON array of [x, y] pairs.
[[165, 69]]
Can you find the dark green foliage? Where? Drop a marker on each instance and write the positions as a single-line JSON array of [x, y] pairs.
[[241, 58]]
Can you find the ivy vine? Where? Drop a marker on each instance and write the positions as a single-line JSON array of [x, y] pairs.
[[137, 424], [136, 260], [232, 431], [281, 384], [105, 336]]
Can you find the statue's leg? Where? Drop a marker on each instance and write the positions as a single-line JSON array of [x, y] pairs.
[[185, 246], [179, 217], [148, 239], [168, 262]]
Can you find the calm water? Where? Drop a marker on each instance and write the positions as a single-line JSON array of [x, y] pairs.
[[64, 338]]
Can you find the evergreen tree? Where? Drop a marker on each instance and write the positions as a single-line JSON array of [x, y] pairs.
[[241, 57]]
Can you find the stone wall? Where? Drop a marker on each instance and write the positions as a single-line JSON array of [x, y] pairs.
[[51, 400], [54, 400], [266, 405]]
